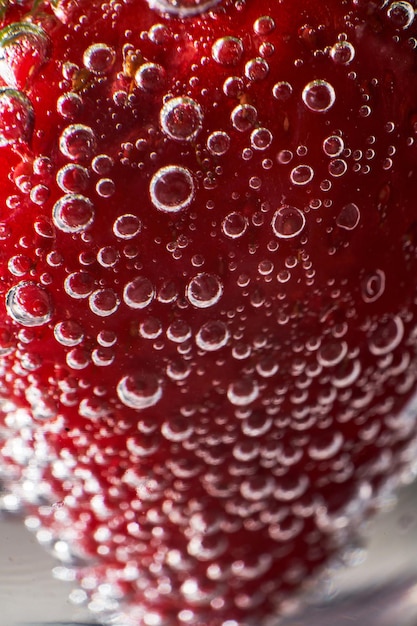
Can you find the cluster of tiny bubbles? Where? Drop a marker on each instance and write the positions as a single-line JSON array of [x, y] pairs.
[[288, 222], [401, 14], [103, 302], [181, 118], [342, 52], [319, 96], [139, 391], [73, 213], [172, 188], [17, 117], [349, 216], [77, 142], [138, 293], [150, 77], [227, 50], [204, 290], [183, 8], [29, 304], [234, 225], [212, 336], [17, 37], [244, 117], [218, 143], [99, 58], [68, 333]]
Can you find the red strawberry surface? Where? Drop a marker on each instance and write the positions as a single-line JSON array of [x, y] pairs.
[[208, 278]]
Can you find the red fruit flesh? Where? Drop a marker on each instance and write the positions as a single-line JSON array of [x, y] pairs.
[[208, 316]]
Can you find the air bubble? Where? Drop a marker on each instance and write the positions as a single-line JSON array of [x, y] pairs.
[[138, 293], [401, 14], [261, 138], [72, 178], [319, 96], [29, 304], [69, 105], [282, 91], [218, 143], [16, 117], [127, 226], [139, 391], [387, 336], [79, 285], [212, 336], [73, 213], [103, 302], [68, 333], [244, 117], [301, 175], [24, 48], [107, 256], [333, 146], [242, 392], [99, 58], [183, 8], [337, 167], [342, 53], [181, 119], [348, 217], [227, 50], [77, 142], [204, 290], [264, 25], [288, 222], [234, 225], [256, 69], [150, 77], [373, 286], [172, 189]]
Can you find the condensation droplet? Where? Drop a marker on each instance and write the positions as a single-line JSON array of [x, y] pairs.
[[348, 217], [29, 304], [172, 188], [319, 96], [138, 293], [288, 222], [204, 290], [181, 119], [73, 213], [139, 391]]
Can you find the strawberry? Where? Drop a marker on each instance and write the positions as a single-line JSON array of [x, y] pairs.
[[208, 311]]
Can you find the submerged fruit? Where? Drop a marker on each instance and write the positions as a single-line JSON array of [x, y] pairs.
[[208, 319]]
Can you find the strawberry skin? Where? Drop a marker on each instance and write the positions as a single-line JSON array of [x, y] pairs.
[[208, 312]]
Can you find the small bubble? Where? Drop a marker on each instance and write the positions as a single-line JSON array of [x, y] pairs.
[[242, 392], [213, 335], [99, 58], [301, 175], [204, 290], [68, 333], [103, 302], [387, 336], [138, 293], [282, 91], [77, 142], [29, 304], [181, 119], [69, 105], [218, 143], [342, 53], [172, 188], [19, 265], [139, 391], [227, 50], [348, 217], [73, 213], [107, 256], [16, 117], [264, 25], [319, 96], [178, 331], [150, 77], [79, 285], [127, 226], [373, 286], [256, 69], [234, 225], [332, 353], [333, 146], [72, 178], [233, 87], [288, 222], [337, 167], [261, 138], [183, 8], [150, 328], [244, 117]]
